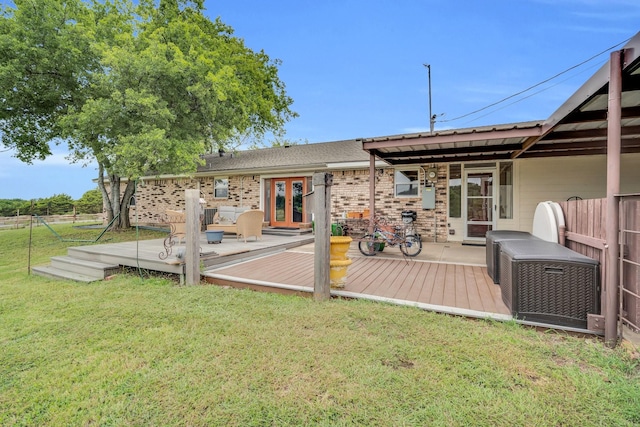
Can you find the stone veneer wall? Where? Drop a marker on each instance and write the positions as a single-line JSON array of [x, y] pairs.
[[350, 192]]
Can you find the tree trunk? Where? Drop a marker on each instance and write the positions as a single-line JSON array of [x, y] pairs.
[[123, 221], [113, 203], [106, 201]]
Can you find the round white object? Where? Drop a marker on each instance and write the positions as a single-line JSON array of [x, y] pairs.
[[557, 211], [545, 226]]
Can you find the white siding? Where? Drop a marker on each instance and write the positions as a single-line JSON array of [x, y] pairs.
[[559, 178], [457, 225]]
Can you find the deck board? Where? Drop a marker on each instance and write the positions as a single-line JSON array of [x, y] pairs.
[[422, 274], [459, 286]]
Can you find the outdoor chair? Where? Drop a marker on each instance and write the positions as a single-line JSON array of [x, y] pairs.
[[249, 224], [177, 223]]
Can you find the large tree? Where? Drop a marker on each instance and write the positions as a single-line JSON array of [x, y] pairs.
[[45, 62], [157, 86]]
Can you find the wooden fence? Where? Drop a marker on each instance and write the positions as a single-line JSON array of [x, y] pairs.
[[585, 227], [585, 233]]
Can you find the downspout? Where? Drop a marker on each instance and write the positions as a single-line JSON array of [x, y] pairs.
[[613, 188]]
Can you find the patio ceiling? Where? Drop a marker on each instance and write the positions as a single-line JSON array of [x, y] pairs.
[[578, 127]]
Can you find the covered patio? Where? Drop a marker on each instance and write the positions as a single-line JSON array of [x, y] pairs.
[[602, 117]]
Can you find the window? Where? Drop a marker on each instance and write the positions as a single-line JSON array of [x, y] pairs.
[[221, 188], [407, 182], [506, 190], [455, 190]]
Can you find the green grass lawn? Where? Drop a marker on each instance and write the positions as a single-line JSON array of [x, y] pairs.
[[134, 351]]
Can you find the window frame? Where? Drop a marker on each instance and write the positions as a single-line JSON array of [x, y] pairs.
[[417, 182], [216, 188]]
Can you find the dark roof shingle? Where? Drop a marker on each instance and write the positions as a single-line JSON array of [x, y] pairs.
[[291, 157]]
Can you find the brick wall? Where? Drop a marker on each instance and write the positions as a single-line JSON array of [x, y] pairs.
[[350, 192], [155, 196]]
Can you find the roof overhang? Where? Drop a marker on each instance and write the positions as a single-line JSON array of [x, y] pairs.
[[578, 127]]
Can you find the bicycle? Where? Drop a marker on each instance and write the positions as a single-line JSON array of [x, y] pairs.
[[405, 237]]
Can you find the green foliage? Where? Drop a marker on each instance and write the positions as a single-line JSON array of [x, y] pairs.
[[10, 207], [143, 88], [133, 352], [46, 63], [90, 202], [59, 204]]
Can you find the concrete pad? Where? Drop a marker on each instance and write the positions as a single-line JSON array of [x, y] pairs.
[[452, 252]]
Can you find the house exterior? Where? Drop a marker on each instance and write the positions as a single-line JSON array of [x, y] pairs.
[[276, 180], [482, 186], [461, 182]]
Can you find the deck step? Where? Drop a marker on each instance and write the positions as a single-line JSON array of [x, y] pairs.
[[56, 273], [99, 270], [287, 231]]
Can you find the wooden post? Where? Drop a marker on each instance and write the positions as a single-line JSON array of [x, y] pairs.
[[372, 191], [614, 119], [322, 209], [192, 239]]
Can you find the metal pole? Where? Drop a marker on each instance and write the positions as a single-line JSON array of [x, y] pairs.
[[613, 188], [431, 119]]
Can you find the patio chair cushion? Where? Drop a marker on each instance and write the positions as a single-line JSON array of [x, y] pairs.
[[249, 223], [228, 214]]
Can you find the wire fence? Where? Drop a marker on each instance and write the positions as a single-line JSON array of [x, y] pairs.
[[20, 221]]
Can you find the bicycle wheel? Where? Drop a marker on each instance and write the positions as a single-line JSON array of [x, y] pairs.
[[412, 245], [369, 245]]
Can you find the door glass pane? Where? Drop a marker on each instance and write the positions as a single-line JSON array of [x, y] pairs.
[[480, 184], [478, 230], [455, 191], [267, 200], [506, 190], [479, 209], [296, 195], [280, 200]]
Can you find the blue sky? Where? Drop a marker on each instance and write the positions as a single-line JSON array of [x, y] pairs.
[[355, 67]]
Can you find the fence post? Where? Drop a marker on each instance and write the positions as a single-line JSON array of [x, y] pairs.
[[192, 238], [614, 119], [322, 183]]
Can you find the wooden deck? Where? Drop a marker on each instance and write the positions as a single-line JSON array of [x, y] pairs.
[[446, 278], [443, 287]]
